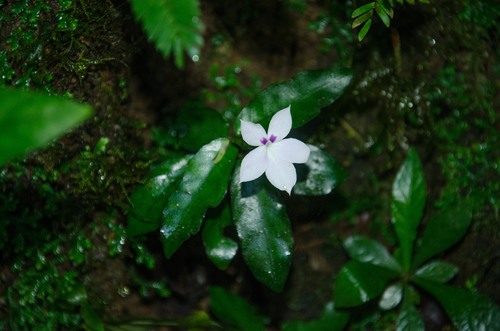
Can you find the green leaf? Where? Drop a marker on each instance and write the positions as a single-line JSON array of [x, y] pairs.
[[330, 320], [203, 185], [364, 30], [407, 204], [391, 297], [383, 14], [361, 19], [437, 271], [307, 93], [148, 200], [264, 230], [467, 310], [366, 250], [409, 318], [92, 321], [235, 312], [443, 230], [319, 175], [219, 248], [172, 25], [358, 283], [196, 126], [31, 120], [363, 9]]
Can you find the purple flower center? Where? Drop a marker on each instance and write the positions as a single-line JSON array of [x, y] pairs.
[[264, 140]]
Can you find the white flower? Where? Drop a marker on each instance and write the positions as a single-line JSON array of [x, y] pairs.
[[274, 155]]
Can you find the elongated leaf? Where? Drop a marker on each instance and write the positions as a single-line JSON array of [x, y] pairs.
[[148, 200], [203, 185], [363, 9], [409, 318], [361, 19], [264, 230], [407, 204], [219, 248], [364, 30], [330, 320], [467, 310], [358, 283], [391, 297], [443, 230], [437, 271], [319, 176], [383, 14], [172, 25], [31, 120], [234, 312], [370, 251], [307, 93]]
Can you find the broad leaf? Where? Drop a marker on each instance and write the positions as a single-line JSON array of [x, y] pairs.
[[358, 283], [370, 251], [307, 93], [409, 319], [437, 271], [391, 297], [172, 25], [148, 200], [31, 120], [219, 248], [319, 176], [264, 230], [234, 312], [92, 321], [203, 185], [443, 230], [467, 310], [330, 320], [194, 127], [407, 204]]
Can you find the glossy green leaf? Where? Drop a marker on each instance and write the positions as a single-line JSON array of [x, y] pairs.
[[363, 9], [391, 297], [173, 26], [264, 230], [330, 320], [383, 14], [203, 185], [31, 120], [148, 200], [407, 204], [361, 19], [358, 283], [307, 93], [370, 251], [319, 176], [196, 126], [467, 310], [443, 230], [364, 30], [92, 321], [234, 312], [219, 248], [437, 271], [409, 318]]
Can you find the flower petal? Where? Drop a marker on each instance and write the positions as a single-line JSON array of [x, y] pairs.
[[281, 174], [252, 133], [280, 124], [290, 150], [254, 164]]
